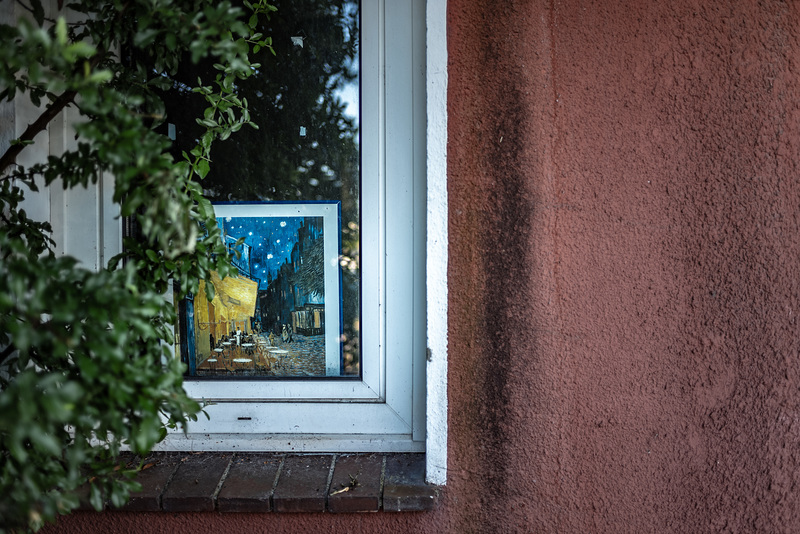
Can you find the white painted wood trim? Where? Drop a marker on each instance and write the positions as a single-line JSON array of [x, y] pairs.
[[293, 443], [437, 240]]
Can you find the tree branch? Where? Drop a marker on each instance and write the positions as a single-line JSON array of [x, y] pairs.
[[10, 156], [30, 10], [7, 352]]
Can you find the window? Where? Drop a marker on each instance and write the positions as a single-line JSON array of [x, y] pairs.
[[382, 407]]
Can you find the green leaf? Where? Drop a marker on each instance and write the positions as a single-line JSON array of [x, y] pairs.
[[206, 139], [202, 168], [21, 142], [205, 208], [45, 442], [160, 82], [96, 497], [80, 49], [210, 290], [101, 76], [38, 12], [61, 29]]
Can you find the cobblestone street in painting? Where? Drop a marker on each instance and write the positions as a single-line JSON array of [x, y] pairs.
[[304, 356]]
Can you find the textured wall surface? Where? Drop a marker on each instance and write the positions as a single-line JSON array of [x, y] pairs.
[[625, 351], [624, 251]]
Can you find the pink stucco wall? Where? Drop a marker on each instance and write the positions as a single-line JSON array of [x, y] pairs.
[[624, 258]]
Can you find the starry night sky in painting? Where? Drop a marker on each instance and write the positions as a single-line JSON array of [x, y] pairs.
[[271, 239]]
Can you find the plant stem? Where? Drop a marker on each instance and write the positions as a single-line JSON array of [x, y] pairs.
[[10, 156], [7, 352]]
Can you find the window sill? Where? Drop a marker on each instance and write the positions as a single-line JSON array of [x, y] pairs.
[[265, 482]]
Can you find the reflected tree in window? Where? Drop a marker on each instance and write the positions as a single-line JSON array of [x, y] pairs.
[[305, 98]]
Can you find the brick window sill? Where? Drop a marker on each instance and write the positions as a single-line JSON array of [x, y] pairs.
[[264, 482]]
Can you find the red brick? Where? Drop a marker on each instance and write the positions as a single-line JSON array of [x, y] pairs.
[[365, 496], [303, 484], [249, 484], [194, 486], [404, 487], [157, 469]]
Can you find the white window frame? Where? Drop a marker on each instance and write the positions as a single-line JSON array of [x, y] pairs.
[[384, 411]]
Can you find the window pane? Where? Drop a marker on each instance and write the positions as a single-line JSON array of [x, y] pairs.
[[276, 320]]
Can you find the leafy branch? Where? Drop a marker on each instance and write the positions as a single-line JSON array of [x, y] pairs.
[[87, 350]]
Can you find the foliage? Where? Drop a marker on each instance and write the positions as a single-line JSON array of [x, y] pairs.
[[83, 366], [301, 86]]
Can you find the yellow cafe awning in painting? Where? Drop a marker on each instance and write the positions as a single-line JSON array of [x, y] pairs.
[[236, 296]]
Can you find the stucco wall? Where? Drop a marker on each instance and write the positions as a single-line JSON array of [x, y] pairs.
[[624, 252], [624, 349]]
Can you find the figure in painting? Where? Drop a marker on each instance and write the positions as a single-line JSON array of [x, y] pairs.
[[286, 335]]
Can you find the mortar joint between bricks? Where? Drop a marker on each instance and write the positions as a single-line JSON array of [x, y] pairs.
[[275, 482], [334, 457], [222, 480], [383, 479], [169, 481]]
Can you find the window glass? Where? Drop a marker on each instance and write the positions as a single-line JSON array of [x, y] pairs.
[[291, 189]]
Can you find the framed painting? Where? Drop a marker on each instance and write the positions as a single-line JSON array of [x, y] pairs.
[[279, 314]]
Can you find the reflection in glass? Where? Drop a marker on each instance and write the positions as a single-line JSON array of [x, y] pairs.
[[305, 99]]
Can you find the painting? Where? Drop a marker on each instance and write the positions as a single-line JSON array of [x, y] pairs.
[[279, 315]]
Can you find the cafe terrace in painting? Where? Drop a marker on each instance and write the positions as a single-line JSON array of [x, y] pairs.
[[279, 315]]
